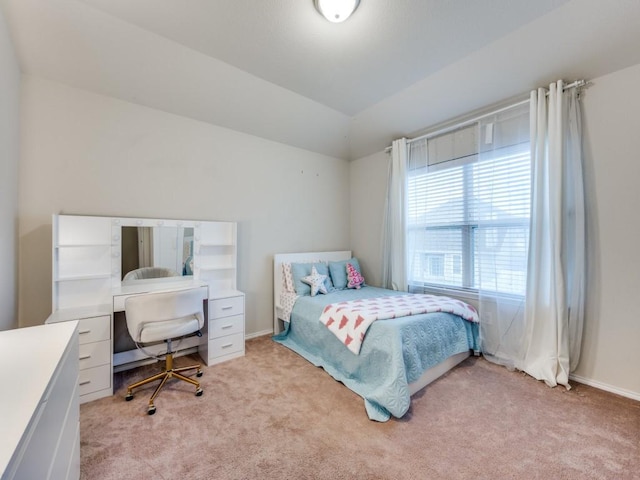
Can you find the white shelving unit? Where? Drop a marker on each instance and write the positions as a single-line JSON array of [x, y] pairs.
[[215, 247], [81, 261]]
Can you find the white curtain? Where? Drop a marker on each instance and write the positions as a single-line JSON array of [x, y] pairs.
[[394, 223], [416, 238], [501, 210], [556, 268]]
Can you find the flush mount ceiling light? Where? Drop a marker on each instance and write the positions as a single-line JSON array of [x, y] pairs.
[[336, 11]]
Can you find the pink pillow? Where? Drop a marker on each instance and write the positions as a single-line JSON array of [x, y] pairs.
[[354, 278]]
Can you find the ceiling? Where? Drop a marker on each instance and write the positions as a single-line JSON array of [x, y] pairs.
[[278, 70], [382, 49]]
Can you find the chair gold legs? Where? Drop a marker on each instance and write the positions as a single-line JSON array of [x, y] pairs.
[[168, 373]]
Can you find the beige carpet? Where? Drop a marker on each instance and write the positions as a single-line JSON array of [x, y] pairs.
[[271, 414]]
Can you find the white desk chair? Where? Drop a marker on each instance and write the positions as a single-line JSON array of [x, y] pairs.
[[156, 317]]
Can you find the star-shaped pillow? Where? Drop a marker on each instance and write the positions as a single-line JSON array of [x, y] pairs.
[[315, 281]]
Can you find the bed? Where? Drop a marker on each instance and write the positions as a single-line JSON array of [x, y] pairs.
[[397, 358]]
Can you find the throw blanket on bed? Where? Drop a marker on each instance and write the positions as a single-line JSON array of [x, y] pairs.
[[349, 321]]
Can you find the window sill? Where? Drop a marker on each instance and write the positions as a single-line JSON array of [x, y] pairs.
[[465, 295]]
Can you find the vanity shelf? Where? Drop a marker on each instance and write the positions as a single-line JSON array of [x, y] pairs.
[[82, 261], [216, 256]]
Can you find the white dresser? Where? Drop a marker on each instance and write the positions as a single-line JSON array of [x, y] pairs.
[[39, 401]]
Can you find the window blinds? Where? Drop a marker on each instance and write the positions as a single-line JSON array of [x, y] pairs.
[[468, 208]]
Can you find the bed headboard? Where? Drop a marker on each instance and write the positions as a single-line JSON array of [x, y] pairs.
[[308, 257]]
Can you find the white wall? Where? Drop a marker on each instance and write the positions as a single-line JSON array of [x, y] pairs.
[[536, 54], [612, 330], [610, 352], [74, 43], [85, 153], [9, 141], [368, 191]]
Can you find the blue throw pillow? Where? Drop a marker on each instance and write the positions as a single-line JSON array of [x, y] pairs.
[[339, 272], [301, 270]]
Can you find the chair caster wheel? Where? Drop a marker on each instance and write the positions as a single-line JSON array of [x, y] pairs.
[[151, 410], [129, 397], [199, 392], [199, 373]]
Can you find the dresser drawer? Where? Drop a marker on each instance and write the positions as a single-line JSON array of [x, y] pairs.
[[94, 354], [226, 345], [220, 327], [94, 329], [94, 379], [226, 307]]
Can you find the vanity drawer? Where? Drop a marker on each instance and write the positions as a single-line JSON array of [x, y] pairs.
[[94, 379], [94, 354], [226, 345], [220, 327], [94, 329], [226, 307]]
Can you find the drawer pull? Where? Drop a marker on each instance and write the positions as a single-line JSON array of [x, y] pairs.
[[227, 345], [86, 382], [83, 332], [228, 307], [84, 357], [227, 326]]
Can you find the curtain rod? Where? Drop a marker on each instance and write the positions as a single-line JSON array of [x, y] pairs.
[[576, 84]]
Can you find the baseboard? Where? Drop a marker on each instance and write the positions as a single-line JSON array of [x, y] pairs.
[[258, 334], [608, 388]]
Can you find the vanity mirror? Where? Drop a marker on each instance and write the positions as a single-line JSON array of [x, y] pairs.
[[156, 252], [149, 250]]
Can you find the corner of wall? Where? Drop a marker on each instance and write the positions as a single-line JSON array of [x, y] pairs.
[[9, 157]]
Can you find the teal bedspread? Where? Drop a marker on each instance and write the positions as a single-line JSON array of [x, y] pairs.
[[394, 353]]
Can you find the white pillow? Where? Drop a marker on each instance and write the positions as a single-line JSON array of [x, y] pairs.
[[315, 281], [287, 278], [287, 300]]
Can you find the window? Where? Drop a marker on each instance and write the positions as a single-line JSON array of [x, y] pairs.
[[457, 264], [435, 265], [468, 207]]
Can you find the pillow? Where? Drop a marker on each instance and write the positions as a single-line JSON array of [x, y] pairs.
[[287, 300], [339, 272], [354, 278], [287, 279], [300, 270], [315, 282]]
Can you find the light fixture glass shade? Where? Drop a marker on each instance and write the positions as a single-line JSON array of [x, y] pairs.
[[336, 11]]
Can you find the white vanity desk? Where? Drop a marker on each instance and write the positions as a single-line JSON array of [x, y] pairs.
[[87, 265]]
